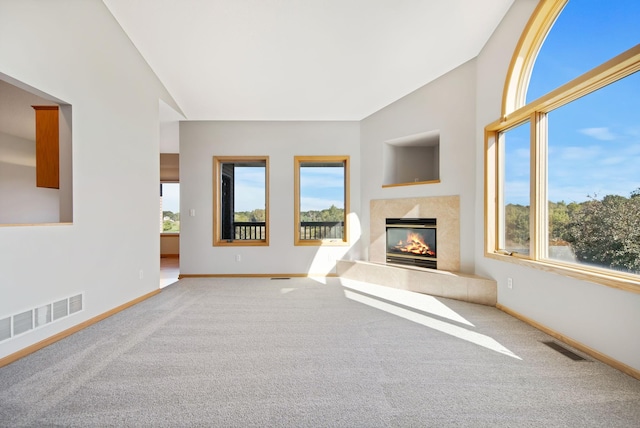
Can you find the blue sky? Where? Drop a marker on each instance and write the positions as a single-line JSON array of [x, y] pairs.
[[249, 188], [321, 187], [171, 197], [594, 142]]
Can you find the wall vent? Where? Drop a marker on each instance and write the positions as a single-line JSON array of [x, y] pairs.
[[5, 328], [75, 304], [22, 322], [60, 309], [31, 319], [43, 315]]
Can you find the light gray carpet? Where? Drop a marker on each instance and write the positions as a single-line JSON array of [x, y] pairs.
[[300, 353]]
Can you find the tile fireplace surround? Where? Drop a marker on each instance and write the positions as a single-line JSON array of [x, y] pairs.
[[446, 209], [446, 281]]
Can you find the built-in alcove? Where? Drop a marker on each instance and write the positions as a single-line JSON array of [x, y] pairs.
[[412, 159], [35, 156]]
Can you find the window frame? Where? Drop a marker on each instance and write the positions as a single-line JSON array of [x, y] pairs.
[[298, 160], [217, 202], [613, 70]]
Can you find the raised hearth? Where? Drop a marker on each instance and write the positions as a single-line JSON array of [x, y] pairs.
[[452, 285]]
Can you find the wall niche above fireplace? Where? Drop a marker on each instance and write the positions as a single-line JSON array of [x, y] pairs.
[[412, 159]]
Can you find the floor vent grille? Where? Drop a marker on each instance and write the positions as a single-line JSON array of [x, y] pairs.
[[564, 351], [31, 319], [279, 278]]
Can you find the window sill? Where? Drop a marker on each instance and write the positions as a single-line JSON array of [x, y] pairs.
[[620, 281]]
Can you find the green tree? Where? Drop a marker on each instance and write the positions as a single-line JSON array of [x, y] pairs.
[[517, 226], [558, 220], [607, 232], [332, 214], [258, 216], [255, 216], [241, 216], [167, 225]]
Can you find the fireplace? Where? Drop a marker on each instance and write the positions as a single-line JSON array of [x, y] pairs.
[[412, 241]]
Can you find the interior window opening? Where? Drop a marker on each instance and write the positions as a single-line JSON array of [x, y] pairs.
[[35, 156]]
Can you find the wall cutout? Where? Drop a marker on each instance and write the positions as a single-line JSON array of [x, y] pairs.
[[22, 202], [412, 159]]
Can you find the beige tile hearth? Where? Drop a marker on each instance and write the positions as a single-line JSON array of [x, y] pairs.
[[458, 286]]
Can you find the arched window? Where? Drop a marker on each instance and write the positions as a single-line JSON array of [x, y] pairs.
[[563, 182]]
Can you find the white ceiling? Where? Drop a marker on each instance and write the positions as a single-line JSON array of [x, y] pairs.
[[302, 59]]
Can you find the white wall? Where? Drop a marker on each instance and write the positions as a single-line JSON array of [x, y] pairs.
[[447, 104], [281, 141], [74, 50], [603, 318], [20, 200]]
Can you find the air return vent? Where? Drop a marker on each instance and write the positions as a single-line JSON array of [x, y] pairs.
[[60, 309], [5, 328], [43, 315], [75, 304], [23, 322]]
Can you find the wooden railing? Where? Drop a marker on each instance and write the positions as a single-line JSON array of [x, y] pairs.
[[246, 230], [321, 230]]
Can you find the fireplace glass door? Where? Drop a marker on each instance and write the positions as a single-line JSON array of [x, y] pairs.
[[412, 242]]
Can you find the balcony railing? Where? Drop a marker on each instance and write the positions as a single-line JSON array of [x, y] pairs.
[[309, 230], [250, 231], [321, 230]]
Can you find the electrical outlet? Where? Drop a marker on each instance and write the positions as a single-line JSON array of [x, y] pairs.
[[237, 257], [141, 274], [509, 283]]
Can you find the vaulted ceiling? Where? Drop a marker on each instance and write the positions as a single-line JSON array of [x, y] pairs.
[[302, 59]]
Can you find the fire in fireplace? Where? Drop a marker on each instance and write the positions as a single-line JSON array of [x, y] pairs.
[[412, 241]]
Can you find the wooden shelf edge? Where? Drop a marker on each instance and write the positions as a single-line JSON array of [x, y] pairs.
[[414, 183]]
